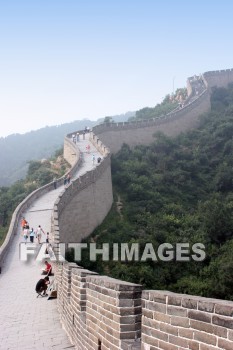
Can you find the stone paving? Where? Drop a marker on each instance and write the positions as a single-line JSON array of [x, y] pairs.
[[28, 322]]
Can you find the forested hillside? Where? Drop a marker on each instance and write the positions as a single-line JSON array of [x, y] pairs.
[[39, 173], [18, 149], [177, 190]]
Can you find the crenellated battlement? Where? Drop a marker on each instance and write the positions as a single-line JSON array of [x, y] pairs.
[[100, 312]]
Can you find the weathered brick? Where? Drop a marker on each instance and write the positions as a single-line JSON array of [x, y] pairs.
[[149, 340], [145, 294], [185, 333], [159, 316], [147, 313], [205, 306], [202, 326], [225, 344], [168, 329], [180, 321], [157, 297], [159, 335], [222, 321], [230, 334], [128, 327], [129, 295], [150, 323], [177, 311], [220, 331], [225, 310], [167, 346], [205, 337], [189, 303], [174, 300], [194, 345], [153, 306], [199, 316], [178, 341], [148, 330]]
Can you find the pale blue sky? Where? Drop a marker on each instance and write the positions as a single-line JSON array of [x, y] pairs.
[[66, 60]]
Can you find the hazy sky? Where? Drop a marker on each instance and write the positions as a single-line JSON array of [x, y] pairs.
[[72, 59]]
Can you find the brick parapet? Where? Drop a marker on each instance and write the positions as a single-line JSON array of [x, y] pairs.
[[102, 311], [171, 321], [98, 309]]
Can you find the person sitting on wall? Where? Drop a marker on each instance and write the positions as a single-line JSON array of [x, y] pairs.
[[48, 269]]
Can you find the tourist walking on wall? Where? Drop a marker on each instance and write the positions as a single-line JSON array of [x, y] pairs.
[[25, 233], [77, 137], [65, 180], [68, 179], [55, 183], [47, 237], [23, 223], [32, 235], [88, 148], [93, 159], [39, 232]]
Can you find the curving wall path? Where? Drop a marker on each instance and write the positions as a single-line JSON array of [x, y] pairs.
[[99, 312]]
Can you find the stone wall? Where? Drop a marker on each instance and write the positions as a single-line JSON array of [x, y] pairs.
[[220, 78], [98, 312], [113, 135], [70, 151], [84, 204], [176, 321], [104, 313]]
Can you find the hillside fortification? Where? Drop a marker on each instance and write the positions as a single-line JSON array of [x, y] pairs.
[[102, 313]]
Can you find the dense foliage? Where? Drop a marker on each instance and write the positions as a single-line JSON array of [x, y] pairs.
[[39, 174], [176, 190]]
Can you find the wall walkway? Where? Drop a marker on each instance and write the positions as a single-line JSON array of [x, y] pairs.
[[27, 322]]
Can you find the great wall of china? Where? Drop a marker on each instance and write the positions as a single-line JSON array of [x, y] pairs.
[[100, 312]]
